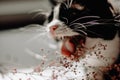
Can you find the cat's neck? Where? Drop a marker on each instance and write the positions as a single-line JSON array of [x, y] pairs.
[[104, 52]]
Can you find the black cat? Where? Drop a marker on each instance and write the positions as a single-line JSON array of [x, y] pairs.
[[89, 32]]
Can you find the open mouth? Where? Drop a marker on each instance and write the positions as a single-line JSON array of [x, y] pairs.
[[73, 47], [73, 44]]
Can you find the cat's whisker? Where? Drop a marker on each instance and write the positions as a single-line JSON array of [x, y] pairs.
[[85, 33], [65, 19], [91, 22], [79, 25], [35, 55], [70, 3], [85, 27], [65, 5], [43, 29], [88, 25], [118, 16], [81, 31], [36, 37], [94, 33], [100, 22], [117, 20], [84, 18]]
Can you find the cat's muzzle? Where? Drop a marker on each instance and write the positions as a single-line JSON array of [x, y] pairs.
[[72, 47]]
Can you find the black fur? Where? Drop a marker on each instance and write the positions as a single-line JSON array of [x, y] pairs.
[[101, 8]]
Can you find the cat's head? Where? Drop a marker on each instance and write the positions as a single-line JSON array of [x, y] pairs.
[[73, 20]]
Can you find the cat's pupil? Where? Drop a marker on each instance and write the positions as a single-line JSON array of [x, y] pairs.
[[74, 13]]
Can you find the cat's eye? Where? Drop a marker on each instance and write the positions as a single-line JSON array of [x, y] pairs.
[[77, 6], [73, 13]]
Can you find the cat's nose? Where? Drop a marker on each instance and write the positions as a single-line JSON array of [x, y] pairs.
[[53, 28]]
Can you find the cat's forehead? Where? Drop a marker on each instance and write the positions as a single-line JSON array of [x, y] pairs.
[[67, 2], [57, 1], [87, 3], [100, 8]]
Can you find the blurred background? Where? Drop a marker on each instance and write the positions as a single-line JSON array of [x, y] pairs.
[[23, 41], [18, 13]]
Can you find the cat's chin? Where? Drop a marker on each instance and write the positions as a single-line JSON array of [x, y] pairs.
[[73, 47]]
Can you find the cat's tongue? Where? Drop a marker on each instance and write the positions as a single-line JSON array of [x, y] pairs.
[[67, 48]]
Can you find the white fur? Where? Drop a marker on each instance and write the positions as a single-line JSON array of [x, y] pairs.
[[109, 55], [96, 62], [116, 5]]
